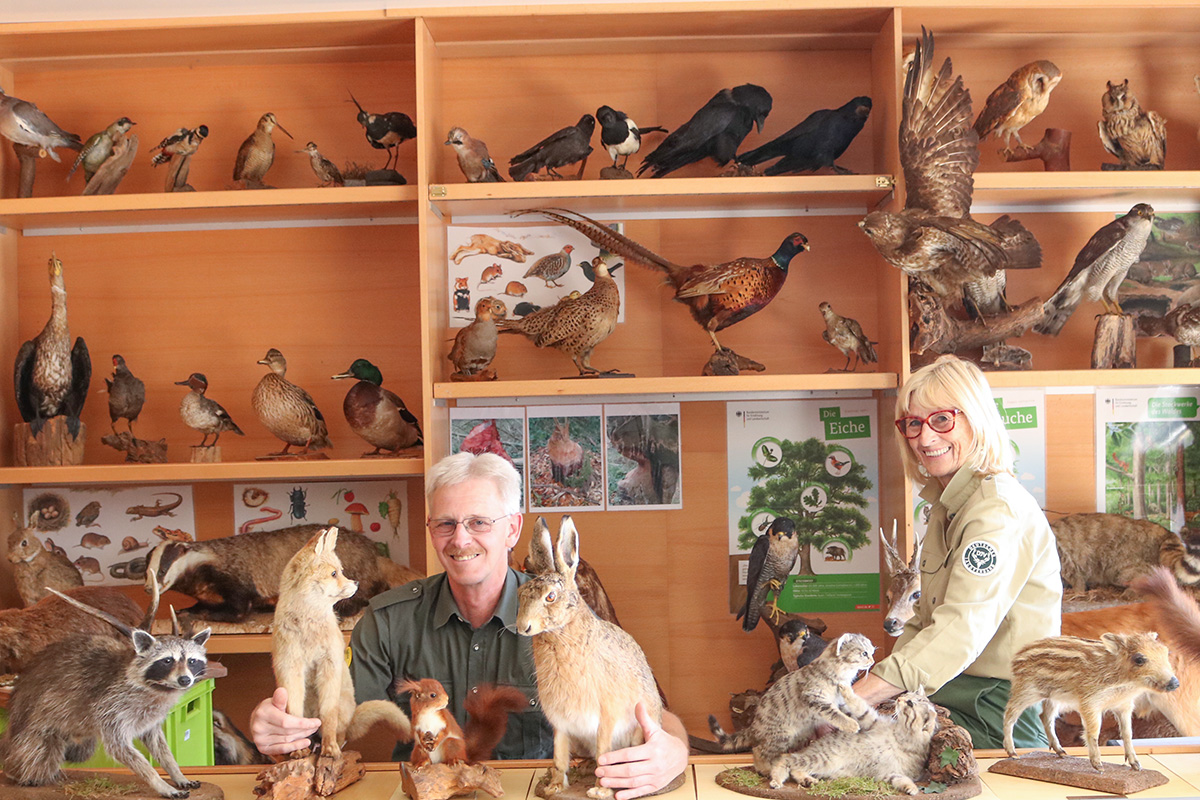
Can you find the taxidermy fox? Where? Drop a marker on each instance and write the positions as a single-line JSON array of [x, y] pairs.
[[437, 737], [308, 651]]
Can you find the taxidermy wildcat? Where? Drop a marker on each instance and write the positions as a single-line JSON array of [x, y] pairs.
[[895, 749], [94, 687], [789, 713]]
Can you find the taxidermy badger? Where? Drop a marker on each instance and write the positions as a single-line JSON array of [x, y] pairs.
[[234, 576], [94, 687]]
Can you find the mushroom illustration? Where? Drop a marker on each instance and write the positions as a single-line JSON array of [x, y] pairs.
[[356, 511]]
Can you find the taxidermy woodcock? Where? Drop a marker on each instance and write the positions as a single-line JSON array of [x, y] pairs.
[[718, 295], [574, 325], [202, 413], [52, 377], [257, 153], [286, 410], [126, 394], [376, 414], [934, 240], [99, 147], [21, 122]]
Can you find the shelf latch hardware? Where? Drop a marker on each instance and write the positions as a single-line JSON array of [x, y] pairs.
[[884, 182], [436, 190]]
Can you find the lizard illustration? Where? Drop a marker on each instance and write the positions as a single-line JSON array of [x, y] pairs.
[[156, 510]]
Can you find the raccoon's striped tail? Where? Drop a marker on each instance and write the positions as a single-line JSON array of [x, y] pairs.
[[374, 711], [738, 742]]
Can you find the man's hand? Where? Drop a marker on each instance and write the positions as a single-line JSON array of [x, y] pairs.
[[275, 731], [648, 767]]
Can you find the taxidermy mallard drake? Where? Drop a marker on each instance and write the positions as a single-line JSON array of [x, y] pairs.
[[51, 377], [377, 415], [286, 410], [203, 413]]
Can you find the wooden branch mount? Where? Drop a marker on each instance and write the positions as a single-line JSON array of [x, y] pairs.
[[935, 332], [308, 778], [112, 171], [137, 451], [1054, 150], [52, 447], [443, 781], [1115, 345]]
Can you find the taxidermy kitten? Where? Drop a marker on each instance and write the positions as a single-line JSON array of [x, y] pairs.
[[895, 749], [789, 713]]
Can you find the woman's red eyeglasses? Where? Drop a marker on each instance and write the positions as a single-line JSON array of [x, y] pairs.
[[938, 422]]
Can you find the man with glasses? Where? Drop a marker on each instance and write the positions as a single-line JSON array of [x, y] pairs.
[[457, 627]]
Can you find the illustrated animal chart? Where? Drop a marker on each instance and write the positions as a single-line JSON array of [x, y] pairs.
[[491, 430], [107, 532], [566, 458], [492, 262], [376, 509], [644, 469], [1166, 273], [817, 463], [1024, 415], [1147, 456]]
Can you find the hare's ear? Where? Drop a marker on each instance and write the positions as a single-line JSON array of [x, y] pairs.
[[541, 557], [566, 556]]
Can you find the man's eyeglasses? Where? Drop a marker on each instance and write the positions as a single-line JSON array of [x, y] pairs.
[[476, 526], [938, 422]]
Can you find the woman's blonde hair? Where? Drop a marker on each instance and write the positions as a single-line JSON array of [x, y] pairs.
[[951, 382]]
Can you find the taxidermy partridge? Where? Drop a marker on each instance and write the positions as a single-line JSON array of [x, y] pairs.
[[574, 325], [475, 345], [847, 335], [552, 267], [202, 413], [99, 147], [51, 377], [22, 123], [126, 394], [286, 410], [257, 153], [377, 415], [718, 295]]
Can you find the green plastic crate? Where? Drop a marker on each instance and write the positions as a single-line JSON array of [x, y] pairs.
[[188, 729]]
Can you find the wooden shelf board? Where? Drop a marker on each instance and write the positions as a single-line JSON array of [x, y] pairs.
[[231, 206], [1095, 377], [228, 471], [244, 642], [666, 386], [1069, 188], [1030, 25], [664, 195]]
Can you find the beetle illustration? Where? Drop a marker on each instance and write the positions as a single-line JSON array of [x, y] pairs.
[[298, 499]]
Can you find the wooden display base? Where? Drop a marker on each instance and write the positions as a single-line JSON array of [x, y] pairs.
[[744, 780], [53, 447], [443, 781], [727, 362], [206, 454], [1074, 771], [137, 451], [615, 174], [488, 374], [302, 778], [125, 787], [403, 452], [1115, 345], [611, 373], [317, 456], [582, 776]]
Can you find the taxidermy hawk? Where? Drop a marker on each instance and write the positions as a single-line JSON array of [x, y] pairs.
[[934, 239], [771, 559], [1099, 268]]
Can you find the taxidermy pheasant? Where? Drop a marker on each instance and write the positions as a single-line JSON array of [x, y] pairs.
[[51, 377], [718, 295], [574, 325]]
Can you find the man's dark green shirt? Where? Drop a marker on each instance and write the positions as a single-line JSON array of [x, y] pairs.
[[416, 630]]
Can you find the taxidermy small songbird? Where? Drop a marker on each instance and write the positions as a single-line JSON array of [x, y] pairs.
[[51, 377], [183, 142], [817, 142], [798, 645], [565, 146], [377, 415], [1100, 268], [1015, 103], [552, 267], [771, 559], [715, 131], [386, 131], [257, 153], [21, 122], [847, 335], [620, 135], [325, 170], [933, 239], [287, 410], [126, 394], [1137, 138], [99, 147], [473, 159], [474, 346], [202, 413]]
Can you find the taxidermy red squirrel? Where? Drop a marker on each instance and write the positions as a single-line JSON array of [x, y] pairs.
[[437, 737]]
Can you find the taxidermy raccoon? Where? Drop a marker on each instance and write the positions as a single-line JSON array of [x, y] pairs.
[[230, 745], [93, 687], [234, 576]]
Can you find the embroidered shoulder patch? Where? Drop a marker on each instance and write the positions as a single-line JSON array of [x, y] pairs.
[[980, 558]]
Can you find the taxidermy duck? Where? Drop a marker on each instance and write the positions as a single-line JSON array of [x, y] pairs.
[[286, 410], [126, 394], [377, 415], [50, 376], [202, 413]]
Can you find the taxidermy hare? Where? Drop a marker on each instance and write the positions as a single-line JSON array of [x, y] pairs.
[[590, 673]]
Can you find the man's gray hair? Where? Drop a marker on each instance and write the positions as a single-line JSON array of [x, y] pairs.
[[462, 467]]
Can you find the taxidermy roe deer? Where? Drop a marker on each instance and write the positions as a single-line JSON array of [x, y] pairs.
[[904, 586]]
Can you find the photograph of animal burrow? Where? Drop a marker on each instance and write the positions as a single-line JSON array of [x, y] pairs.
[[643, 456], [566, 458]]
